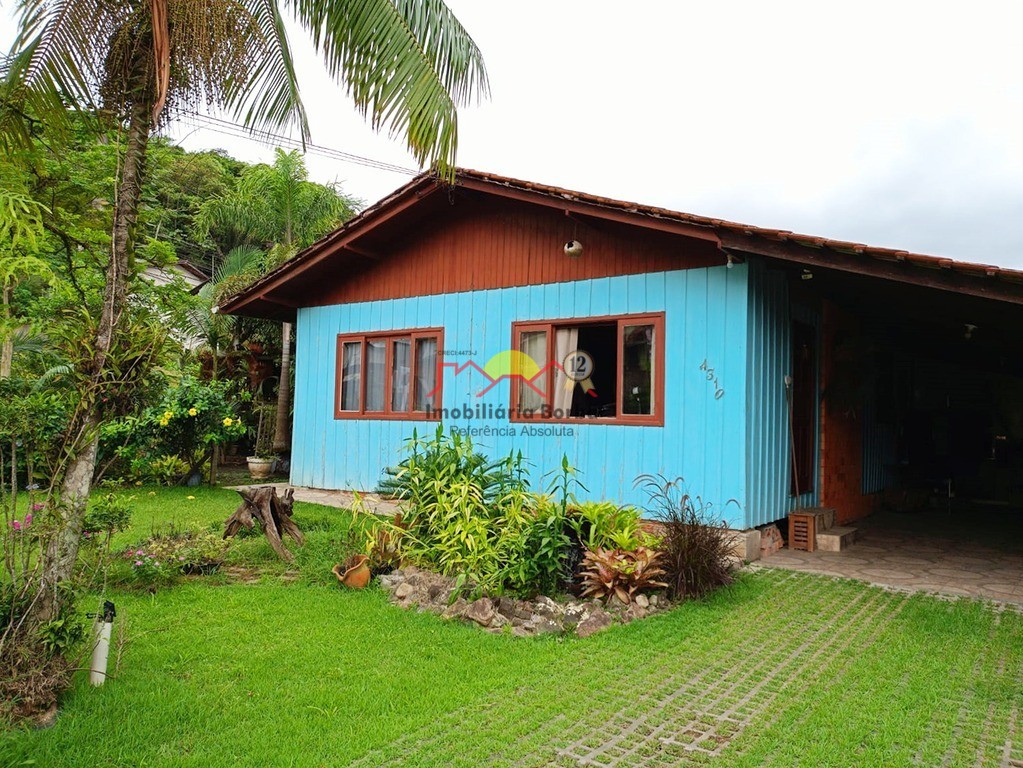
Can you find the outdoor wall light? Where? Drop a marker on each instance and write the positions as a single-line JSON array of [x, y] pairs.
[[970, 328], [807, 275], [731, 261]]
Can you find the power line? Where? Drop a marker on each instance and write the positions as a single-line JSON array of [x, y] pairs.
[[234, 130]]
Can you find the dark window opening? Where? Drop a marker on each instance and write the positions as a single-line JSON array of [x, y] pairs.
[[600, 397]]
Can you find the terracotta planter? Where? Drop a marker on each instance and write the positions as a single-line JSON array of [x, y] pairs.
[[260, 468], [354, 573]]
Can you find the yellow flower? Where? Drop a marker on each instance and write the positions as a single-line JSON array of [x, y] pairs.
[[190, 498], [152, 493], [168, 415], [193, 411], [163, 422], [228, 421]]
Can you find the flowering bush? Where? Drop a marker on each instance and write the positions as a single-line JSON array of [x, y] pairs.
[[165, 557], [22, 526], [149, 570], [181, 430]]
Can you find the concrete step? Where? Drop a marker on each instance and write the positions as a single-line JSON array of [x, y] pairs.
[[836, 538], [824, 517]]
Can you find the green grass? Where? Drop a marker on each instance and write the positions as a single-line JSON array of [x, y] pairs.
[[783, 669]]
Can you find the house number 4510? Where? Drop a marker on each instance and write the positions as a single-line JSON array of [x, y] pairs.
[[719, 391]]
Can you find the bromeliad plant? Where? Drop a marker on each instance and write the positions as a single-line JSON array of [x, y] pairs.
[[621, 574]]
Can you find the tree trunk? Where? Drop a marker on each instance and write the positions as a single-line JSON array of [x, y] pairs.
[[62, 549], [282, 432], [7, 348]]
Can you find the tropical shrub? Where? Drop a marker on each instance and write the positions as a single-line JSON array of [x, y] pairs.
[[107, 515], [450, 459], [533, 544], [165, 470], [621, 574], [467, 516], [605, 525], [696, 547]]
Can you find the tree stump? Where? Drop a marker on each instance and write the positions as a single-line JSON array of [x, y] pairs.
[[273, 513]]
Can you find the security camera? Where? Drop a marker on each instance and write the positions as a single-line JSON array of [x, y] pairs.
[[574, 249]]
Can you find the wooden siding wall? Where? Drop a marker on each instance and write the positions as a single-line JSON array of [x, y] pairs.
[[483, 245], [769, 349], [844, 454], [703, 439]]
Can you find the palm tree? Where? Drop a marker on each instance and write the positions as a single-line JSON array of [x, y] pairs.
[[406, 64], [277, 204]]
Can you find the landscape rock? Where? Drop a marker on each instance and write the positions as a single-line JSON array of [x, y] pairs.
[[403, 590], [481, 611], [543, 625], [634, 612], [642, 601], [456, 610], [596, 620], [544, 606], [499, 622], [574, 614], [437, 591]]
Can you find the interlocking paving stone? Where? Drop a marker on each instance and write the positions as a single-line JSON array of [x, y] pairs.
[[671, 708]]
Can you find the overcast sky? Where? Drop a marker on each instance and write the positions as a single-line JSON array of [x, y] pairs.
[[892, 123]]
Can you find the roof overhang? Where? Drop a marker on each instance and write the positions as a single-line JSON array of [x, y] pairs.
[[276, 295]]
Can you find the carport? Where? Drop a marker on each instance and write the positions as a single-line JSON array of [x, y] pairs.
[[919, 414]]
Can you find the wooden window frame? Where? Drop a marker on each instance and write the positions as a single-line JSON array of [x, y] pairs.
[[389, 337], [656, 419]]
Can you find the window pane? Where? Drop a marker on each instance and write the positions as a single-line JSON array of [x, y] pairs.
[[351, 375], [589, 357], [638, 369], [400, 373], [532, 388], [426, 374], [376, 354]]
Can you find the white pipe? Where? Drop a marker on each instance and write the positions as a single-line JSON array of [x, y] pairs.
[[101, 644], [100, 652]]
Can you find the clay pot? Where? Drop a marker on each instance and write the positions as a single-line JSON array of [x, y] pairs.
[[354, 573]]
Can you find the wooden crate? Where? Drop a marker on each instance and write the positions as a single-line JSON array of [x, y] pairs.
[[803, 531]]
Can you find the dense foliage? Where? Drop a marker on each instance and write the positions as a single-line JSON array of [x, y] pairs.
[[467, 516]]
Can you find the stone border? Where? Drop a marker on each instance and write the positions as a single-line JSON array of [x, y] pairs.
[[416, 588]]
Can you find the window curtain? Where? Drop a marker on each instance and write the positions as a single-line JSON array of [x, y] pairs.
[[376, 373], [401, 374], [351, 375], [533, 344], [566, 340], [426, 374]]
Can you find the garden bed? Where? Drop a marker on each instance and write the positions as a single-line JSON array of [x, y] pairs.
[[415, 588]]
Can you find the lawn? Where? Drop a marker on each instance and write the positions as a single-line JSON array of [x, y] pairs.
[[782, 669]]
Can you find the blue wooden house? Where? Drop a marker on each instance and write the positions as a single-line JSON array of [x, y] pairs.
[[772, 371]]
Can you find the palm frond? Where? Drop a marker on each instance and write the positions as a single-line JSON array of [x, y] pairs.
[[269, 96], [243, 260], [407, 64]]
